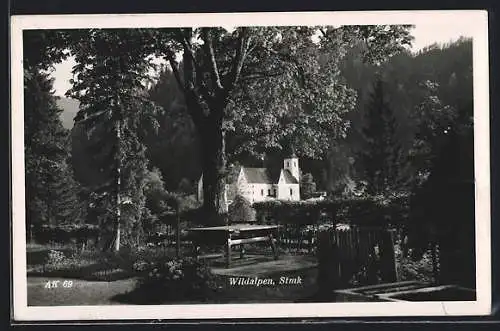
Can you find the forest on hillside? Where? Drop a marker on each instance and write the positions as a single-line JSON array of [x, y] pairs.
[[366, 116], [436, 80]]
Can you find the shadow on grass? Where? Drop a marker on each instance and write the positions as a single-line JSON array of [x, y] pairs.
[[230, 294], [136, 297], [92, 272], [139, 296]]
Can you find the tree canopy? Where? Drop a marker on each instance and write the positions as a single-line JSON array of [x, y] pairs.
[[275, 86], [115, 111]]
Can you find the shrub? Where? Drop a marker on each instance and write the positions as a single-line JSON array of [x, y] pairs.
[[55, 257], [66, 234], [296, 212], [419, 268], [188, 202], [170, 279], [59, 262], [307, 185], [198, 216], [241, 211]]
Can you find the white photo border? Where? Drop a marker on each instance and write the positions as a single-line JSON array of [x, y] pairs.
[[476, 22]]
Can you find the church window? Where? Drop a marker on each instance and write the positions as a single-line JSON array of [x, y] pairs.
[[269, 192], [287, 163], [262, 192], [291, 191]]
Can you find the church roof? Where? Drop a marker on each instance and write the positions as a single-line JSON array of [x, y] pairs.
[[264, 176], [258, 175], [289, 178]]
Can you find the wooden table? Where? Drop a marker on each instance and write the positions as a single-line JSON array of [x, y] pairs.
[[235, 234]]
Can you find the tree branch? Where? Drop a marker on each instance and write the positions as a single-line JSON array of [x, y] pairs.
[[323, 32], [198, 71], [175, 70], [260, 75], [210, 54], [186, 44], [238, 61]]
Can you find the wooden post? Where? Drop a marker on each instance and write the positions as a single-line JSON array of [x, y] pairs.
[[242, 251], [393, 256], [228, 251], [435, 268], [178, 234], [388, 266], [273, 247]]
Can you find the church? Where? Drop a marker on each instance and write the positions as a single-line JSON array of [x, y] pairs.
[[259, 184]]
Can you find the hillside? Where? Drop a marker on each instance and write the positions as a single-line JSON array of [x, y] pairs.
[[70, 108]]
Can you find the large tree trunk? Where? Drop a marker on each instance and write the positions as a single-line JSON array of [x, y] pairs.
[[214, 171], [206, 104], [207, 115]]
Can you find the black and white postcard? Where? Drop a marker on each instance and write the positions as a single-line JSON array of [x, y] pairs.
[[250, 165]]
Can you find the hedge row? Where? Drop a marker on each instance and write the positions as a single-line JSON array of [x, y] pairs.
[[362, 211], [65, 234]]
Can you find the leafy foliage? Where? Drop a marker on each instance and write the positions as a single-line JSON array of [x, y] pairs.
[[442, 207], [173, 279], [227, 77], [108, 81], [43, 48], [161, 206], [241, 211], [412, 82], [307, 185], [368, 210], [66, 234]]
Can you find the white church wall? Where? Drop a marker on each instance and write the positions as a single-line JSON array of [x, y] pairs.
[[289, 192], [263, 192]]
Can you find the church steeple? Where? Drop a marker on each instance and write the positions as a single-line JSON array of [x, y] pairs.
[[291, 164]]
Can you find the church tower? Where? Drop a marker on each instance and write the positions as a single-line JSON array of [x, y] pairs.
[[292, 164]]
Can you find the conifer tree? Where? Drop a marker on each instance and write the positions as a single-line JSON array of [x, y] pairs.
[[381, 157], [51, 192], [109, 81]]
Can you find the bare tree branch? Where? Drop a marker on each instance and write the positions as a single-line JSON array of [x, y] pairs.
[[198, 72], [210, 54], [241, 52]]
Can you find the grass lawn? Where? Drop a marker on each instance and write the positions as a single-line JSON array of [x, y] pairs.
[[81, 293], [91, 288], [85, 292]]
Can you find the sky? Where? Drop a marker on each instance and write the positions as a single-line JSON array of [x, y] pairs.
[[425, 35]]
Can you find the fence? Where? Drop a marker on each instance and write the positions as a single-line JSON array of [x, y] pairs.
[[297, 239], [356, 254]]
